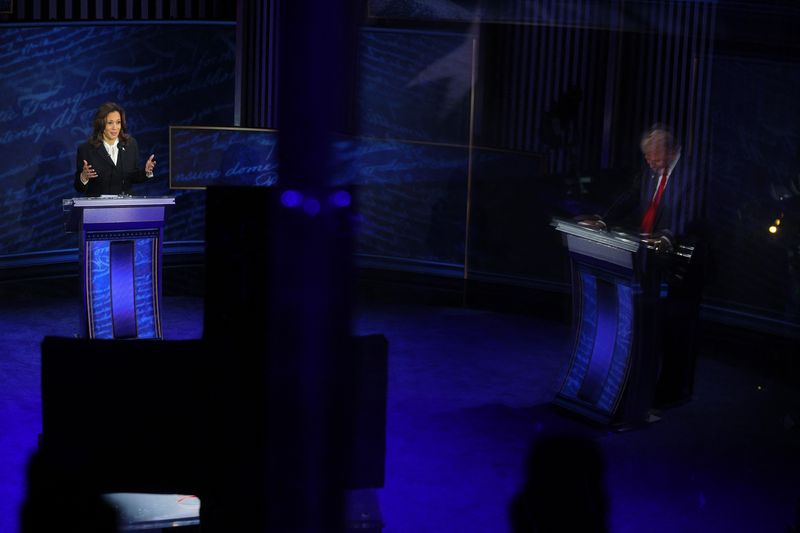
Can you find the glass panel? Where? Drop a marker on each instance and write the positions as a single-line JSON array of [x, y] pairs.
[[414, 92], [592, 12], [513, 201], [201, 157], [411, 199], [755, 185], [415, 85]]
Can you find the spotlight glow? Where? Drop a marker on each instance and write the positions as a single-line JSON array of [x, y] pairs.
[[340, 198], [773, 229], [291, 198]]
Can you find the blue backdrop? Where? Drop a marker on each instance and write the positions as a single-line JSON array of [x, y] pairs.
[[52, 78]]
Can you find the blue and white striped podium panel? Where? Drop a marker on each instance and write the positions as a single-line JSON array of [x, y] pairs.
[[120, 257]]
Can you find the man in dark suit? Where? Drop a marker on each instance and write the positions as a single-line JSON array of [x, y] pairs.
[[662, 204], [108, 162]]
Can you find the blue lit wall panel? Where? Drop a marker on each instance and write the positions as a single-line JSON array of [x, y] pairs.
[[374, 161], [146, 278], [415, 85], [411, 197], [53, 77], [591, 12], [411, 200]]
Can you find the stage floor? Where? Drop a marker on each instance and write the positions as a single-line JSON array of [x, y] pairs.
[[468, 396]]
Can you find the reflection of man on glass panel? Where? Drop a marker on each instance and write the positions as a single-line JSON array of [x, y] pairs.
[[653, 202], [661, 204]]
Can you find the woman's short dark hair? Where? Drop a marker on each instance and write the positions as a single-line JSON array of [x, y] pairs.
[[99, 123]]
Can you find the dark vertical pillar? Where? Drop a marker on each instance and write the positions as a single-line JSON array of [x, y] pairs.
[[310, 287], [279, 265], [237, 326]]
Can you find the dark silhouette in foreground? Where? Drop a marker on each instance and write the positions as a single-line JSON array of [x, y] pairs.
[[564, 488]]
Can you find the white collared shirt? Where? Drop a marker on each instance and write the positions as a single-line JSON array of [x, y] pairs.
[[112, 150]]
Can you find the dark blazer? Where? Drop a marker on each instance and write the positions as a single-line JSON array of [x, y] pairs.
[[111, 178], [679, 217], [678, 212]]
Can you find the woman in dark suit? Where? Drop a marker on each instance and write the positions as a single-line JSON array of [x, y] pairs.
[[108, 162]]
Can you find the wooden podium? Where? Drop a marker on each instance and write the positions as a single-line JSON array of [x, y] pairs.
[[617, 288], [120, 260]]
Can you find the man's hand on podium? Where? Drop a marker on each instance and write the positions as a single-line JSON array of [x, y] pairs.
[[591, 221], [659, 243]]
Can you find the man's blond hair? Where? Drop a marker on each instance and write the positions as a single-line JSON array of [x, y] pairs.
[[659, 133]]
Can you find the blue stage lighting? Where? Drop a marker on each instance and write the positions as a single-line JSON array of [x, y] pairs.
[[340, 198], [291, 198]]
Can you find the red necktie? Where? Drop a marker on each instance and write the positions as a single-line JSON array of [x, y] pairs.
[[649, 217]]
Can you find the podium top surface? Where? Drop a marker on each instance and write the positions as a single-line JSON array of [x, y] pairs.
[[615, 239], [114, 209], [117, 201]]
